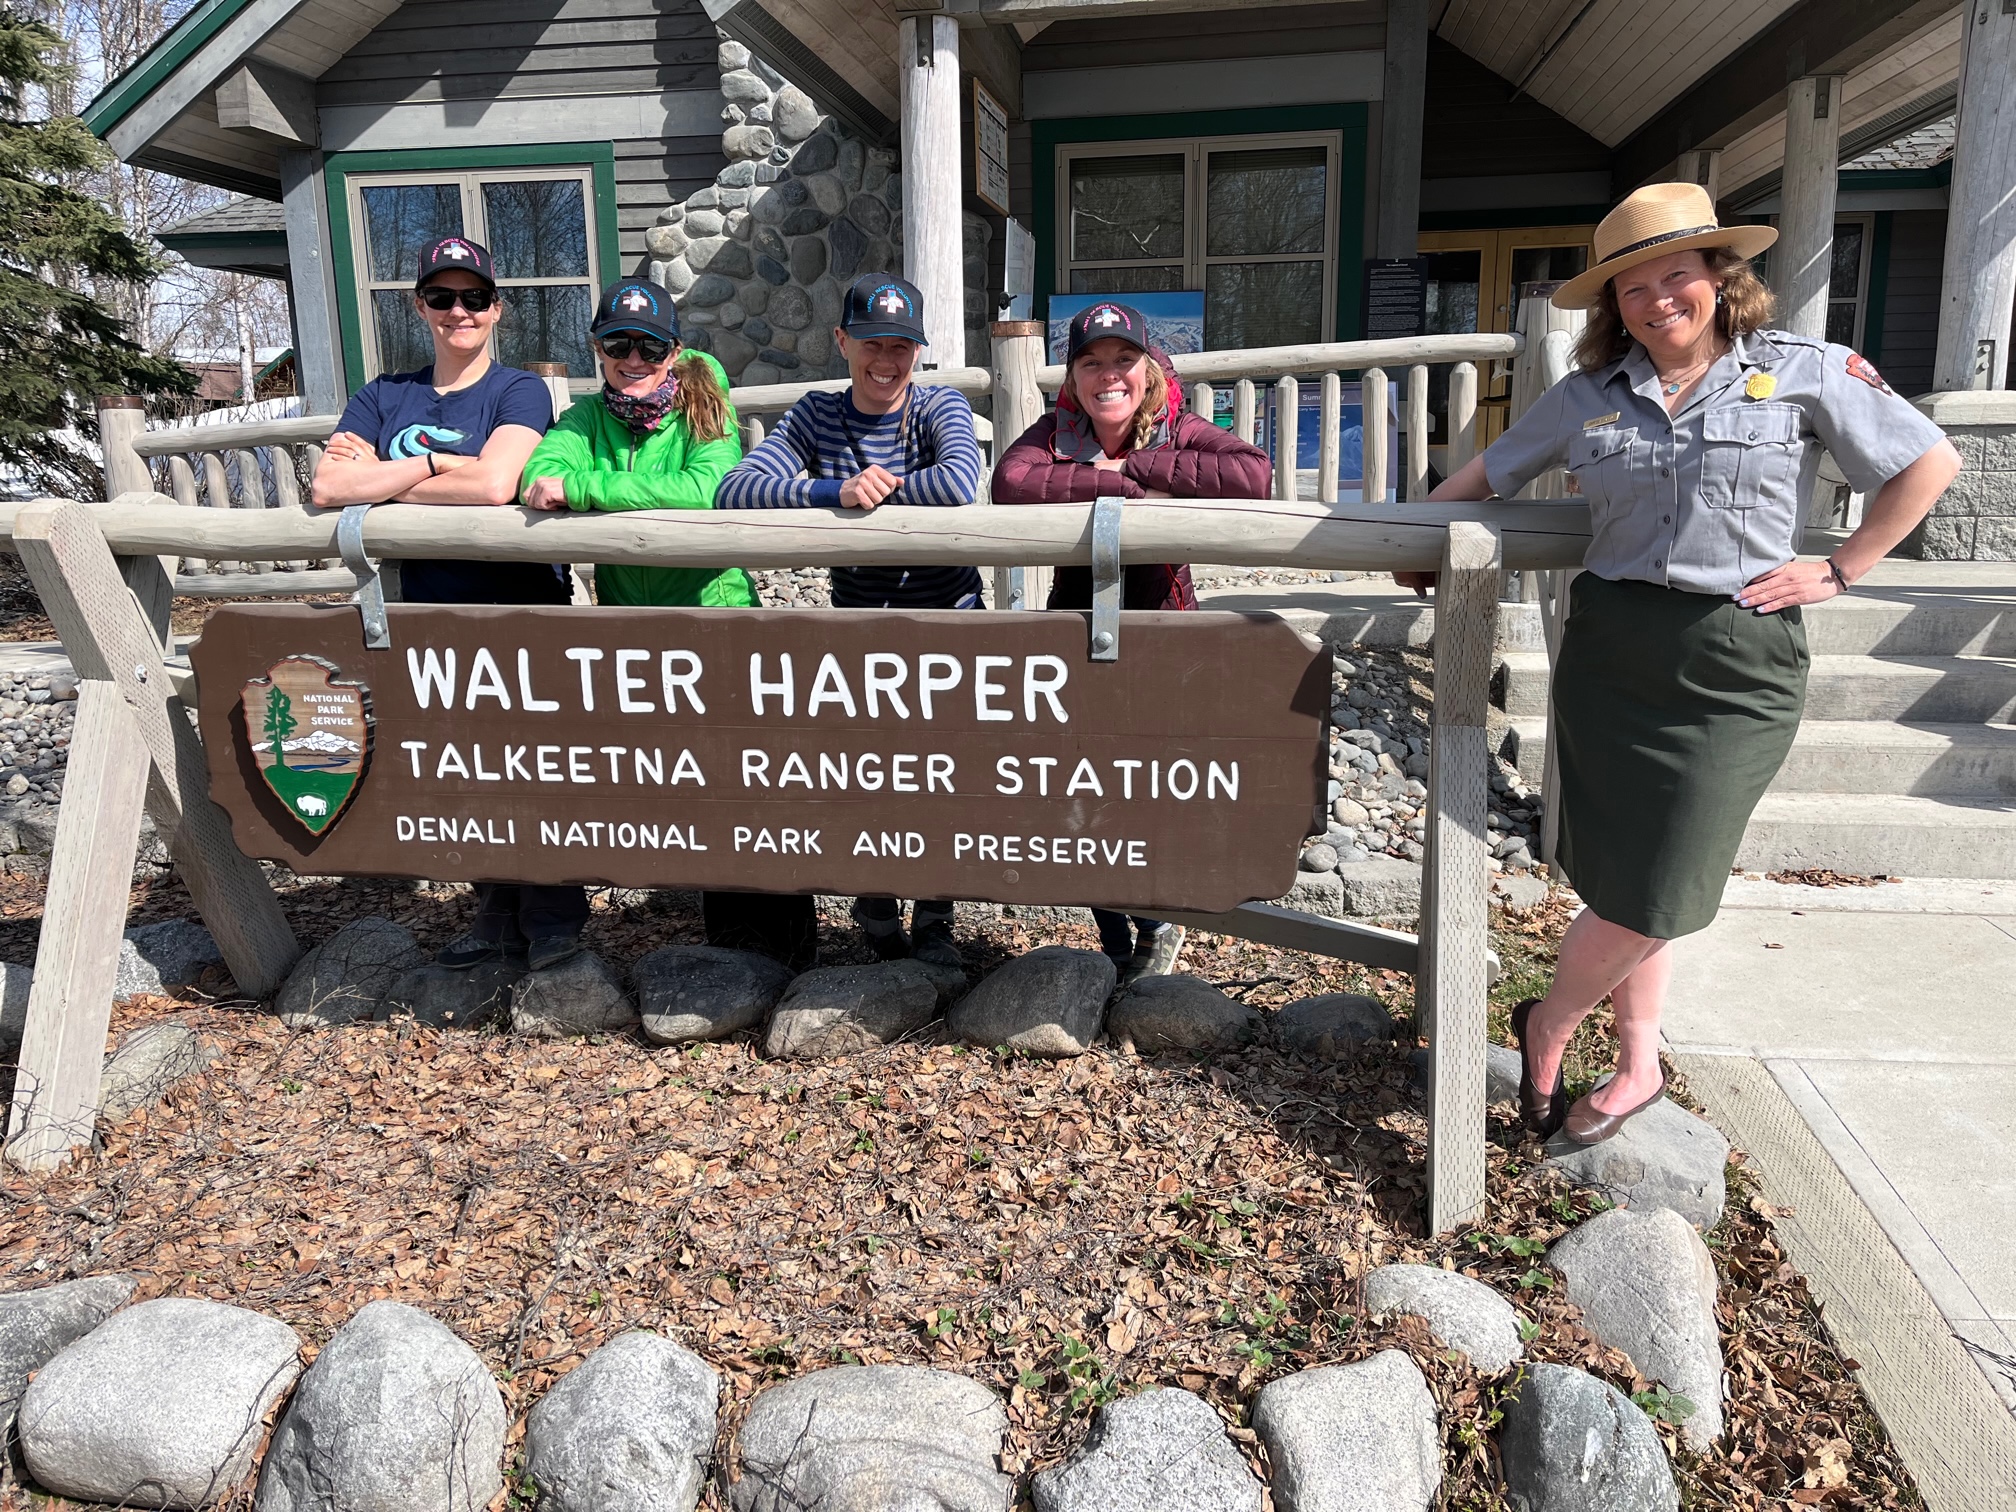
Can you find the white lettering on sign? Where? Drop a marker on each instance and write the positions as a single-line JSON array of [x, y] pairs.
[[432, 830], [780, 842], [1052, 850], [625, 836], [896, 845]]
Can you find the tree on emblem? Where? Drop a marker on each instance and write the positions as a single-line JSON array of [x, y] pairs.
[[279, 723]]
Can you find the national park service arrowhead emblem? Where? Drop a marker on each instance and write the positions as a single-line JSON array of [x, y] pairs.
[[311, 737]]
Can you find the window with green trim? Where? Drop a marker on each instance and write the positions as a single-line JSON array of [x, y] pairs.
[[540, 227], [1250, 220]]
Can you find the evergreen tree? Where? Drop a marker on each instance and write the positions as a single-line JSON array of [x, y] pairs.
[[62, 349], [279, 723]]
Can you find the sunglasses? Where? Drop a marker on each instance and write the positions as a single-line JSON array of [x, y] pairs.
[[475, 301], [650, 348]]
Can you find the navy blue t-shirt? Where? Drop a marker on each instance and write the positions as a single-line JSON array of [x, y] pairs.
[[402, 415]]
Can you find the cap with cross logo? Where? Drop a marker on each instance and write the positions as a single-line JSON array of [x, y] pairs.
[[1103, 319], [882, 304], [455, 254], [636, 304]]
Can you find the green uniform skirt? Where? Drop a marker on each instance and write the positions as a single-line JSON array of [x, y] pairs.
[[1672, 713]]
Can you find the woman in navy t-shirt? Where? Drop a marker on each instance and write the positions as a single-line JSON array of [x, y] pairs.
[[460, 432]]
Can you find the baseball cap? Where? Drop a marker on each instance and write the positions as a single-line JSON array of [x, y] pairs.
[[444, 254], [1105, 318], [881, 304], [636, 304]]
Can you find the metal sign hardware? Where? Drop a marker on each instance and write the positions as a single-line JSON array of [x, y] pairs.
[[370, 597], [1107, 577]]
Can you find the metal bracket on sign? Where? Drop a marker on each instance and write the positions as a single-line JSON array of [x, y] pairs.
[[1107, 578], [370, 597], [1018, 588]]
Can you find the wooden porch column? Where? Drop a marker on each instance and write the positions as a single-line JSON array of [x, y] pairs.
[[927, 62], [1701, 166], [1979, 289], [1802, 263], [1400, 127]]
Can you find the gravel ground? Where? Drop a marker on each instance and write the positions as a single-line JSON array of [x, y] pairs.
[[36, 714]]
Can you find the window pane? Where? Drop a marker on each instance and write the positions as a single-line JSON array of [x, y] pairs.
[[1265, 202], [1841, 321], [537, 229], [546, 323], [1453, 279], [1262, 304], [403, 342], [1547, 264], [1127, 207], [1845, 280], [1126, 280], [400, 219]]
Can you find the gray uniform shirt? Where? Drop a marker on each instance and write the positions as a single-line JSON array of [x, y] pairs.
[[1712, 497]]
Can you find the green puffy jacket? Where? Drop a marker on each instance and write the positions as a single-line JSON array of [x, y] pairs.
[[606, 465]]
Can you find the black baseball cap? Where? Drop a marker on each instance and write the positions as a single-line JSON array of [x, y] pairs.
[[636, 304], [1105, 318], [882, 304], [447, 253]]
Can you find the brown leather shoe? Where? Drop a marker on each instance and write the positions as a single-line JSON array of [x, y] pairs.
[[1587, 1125], [1542, 1114]]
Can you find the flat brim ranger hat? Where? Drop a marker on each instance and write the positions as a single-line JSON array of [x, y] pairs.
[[1656, 221]]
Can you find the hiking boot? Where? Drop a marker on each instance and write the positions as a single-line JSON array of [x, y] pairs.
[[931, 943], [551, 950], [470, 952], [1155, 954], [885, 936]]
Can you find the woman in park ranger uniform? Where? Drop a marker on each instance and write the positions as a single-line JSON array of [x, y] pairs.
[[1695, 434], [458, 432]]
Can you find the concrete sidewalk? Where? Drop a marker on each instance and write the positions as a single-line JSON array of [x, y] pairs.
[[1878, 1025]]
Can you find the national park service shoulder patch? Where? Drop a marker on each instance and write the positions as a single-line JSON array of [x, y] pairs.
[[311, 737]]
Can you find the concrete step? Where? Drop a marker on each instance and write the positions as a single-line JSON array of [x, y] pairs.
[[1921, 689], [1883, 834], [1896, 623], [1854, 756]]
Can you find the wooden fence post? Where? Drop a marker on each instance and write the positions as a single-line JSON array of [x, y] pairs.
[[121, 417], [1018, 404], [1378, 436], [1451, 989], [1417, 434], [554, 375], [1287, 438], [77, 962], [64, 550]]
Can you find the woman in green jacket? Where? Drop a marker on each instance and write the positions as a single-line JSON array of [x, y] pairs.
[[659, 435]]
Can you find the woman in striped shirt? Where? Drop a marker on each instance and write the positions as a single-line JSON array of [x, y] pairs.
[[885, 440]]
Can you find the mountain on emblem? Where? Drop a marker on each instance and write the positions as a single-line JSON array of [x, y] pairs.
[[310, 735]]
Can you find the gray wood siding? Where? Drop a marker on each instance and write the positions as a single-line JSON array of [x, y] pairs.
[[1911, 308], [1472, 127], [1203, 36], [453, 50]]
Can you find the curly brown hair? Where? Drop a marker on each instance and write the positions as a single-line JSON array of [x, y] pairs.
[[1745, 304]]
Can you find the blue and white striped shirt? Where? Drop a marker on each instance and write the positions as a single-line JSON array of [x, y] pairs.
[[823, 440]]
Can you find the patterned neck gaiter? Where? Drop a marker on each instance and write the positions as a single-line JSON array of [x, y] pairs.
[[641, 412]]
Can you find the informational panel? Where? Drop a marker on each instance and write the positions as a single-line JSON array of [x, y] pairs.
[[1309, 433], [1396, 297], [990, 149], [956, 754]]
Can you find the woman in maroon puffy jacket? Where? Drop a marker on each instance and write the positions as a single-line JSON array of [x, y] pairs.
[[1120, 413]]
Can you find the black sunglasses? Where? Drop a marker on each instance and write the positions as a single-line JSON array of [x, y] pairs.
[[650, 348], [475, 301]]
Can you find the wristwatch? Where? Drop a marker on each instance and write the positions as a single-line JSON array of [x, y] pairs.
[[1839, 579]]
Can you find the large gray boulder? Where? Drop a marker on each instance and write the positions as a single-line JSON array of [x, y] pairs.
[[1328, 1027], [703, 992], [1572, 1443], [160, 957], [436, 997], [1184, 1013], [579, 996], [629, 1429], [34, 1325], [1048, 1002], [1352, 1438], [1380, 887], [1460, 1310], [1154, 1452], [145, 1063], [346, 977], [1663, 1157], [874, 1438], [837, 1010], [15, 980], [395, 1415], [162, 1405], [1646, 1285]]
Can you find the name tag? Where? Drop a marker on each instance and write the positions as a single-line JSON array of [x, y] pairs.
[[1609, 419]]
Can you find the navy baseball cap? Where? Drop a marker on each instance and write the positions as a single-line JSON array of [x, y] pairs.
[[445, 254], [636, 304], [882, 304], [1105, 318]]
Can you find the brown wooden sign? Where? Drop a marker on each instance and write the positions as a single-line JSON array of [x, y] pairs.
[[925, 754]]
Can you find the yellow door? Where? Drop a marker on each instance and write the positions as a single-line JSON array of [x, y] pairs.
[[1474, 279]]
